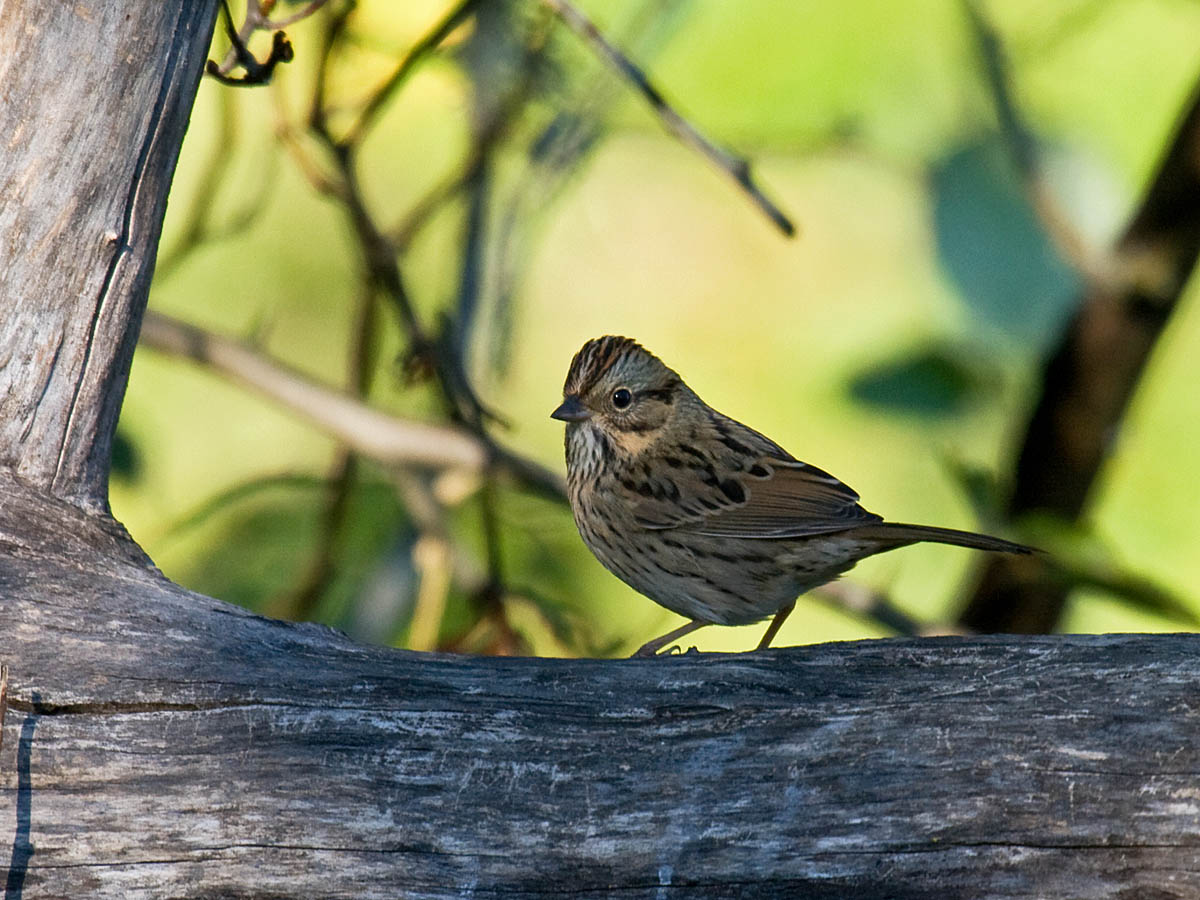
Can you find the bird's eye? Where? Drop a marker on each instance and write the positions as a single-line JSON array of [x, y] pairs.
[[621, 398]]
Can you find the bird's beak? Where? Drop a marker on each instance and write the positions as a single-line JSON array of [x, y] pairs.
[[571, 410]]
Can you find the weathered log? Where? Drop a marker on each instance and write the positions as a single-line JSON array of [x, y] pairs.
[[160, 743]]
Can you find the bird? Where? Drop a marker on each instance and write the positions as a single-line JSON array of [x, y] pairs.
[[702, 514]]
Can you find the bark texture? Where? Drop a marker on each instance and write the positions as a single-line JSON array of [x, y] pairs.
[[163, 744], [94, 100]]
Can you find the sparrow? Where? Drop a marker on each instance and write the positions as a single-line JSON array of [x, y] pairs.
[[702, 514]]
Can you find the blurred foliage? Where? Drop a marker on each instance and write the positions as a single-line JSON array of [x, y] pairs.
[[534, 202], [934, 381], [991, 243], [126, 459]]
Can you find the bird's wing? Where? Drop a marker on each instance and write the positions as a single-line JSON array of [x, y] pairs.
[[737, 483]]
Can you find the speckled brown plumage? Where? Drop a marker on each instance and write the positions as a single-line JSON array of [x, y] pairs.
[[700, 513]]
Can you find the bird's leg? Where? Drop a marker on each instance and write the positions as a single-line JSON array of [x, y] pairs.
[[776, 623], [651, 648]]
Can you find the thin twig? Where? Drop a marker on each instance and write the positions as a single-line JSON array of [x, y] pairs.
[[257, 72], [267, 24], [379, 257], [422, 212], [257, 19], [383, 437], [735, 167], [429, 42], [320, 181]]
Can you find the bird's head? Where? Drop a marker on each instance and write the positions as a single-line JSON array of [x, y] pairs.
[[626, 392]]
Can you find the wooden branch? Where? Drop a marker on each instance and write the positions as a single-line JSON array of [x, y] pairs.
[[167, 744], [376, 434], [94, 104]]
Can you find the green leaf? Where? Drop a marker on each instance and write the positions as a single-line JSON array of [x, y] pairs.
[[933, 382], [992, 245]]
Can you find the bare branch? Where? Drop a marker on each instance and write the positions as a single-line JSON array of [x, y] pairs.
[[1089, 380], [421, 212], [275, 24], [378, 435], [287, 134], [379, 256], [735, 167], [422, 48], [257, 19], [257, 72]]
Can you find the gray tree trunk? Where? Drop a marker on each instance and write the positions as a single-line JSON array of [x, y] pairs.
[[162, 744], [94, 100]]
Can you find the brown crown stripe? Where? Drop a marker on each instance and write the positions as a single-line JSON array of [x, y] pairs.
[[595, 358]]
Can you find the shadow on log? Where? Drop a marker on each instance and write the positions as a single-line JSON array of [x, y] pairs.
[[160, 743]]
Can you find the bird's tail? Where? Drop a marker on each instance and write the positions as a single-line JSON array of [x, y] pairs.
[[902, 534]]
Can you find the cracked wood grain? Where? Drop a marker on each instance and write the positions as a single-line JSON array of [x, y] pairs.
[[94, 100]]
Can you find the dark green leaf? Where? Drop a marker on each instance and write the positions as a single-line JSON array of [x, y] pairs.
[[932, 382]]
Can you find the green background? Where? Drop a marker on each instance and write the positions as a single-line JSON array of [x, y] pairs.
[[894, 341]]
